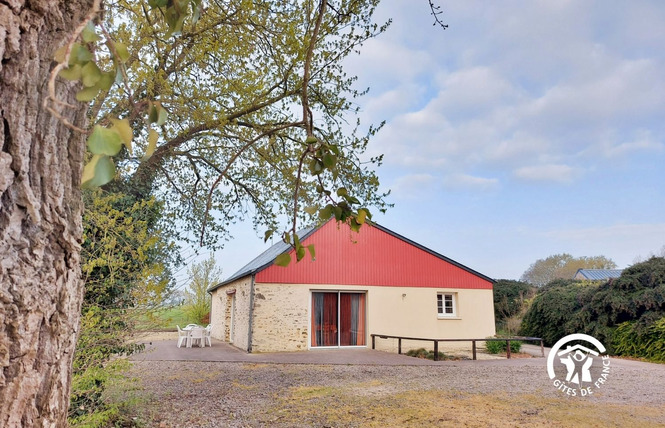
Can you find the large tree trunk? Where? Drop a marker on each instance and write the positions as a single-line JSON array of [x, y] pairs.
[[40, 215]]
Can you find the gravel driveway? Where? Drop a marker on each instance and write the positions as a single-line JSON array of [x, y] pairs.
[[514, 392]]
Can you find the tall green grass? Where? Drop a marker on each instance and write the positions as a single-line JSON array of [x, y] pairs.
[[165, 319]]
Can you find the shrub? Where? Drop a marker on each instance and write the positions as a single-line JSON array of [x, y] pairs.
[[647, 342], [511, 299], [625, 314], [552, 308], [425, 354], [496, 346]]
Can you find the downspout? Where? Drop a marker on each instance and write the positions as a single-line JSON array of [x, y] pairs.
[[251, 315]]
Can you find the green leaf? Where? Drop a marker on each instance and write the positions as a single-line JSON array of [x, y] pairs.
[[106, 81], [342, 191], [80, 54], [104, 141], [362, 215], [267, 235], [338, 213], [162, 114], [152, 143], [73, 72], [157, 113], [197, 6], [122, 51], [89, 34], [300, 252], [311, 210], [87, 94], [99, 171], [90, 74], [316, 167], [329, 160], [283, 260], [121, 126], [311, 140], [326, 212], [353, 224], [312, 252]]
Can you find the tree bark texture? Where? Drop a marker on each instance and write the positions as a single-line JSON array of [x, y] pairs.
[[40, 215]]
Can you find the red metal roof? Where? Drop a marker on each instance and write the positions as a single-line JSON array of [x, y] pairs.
[[375, 256]]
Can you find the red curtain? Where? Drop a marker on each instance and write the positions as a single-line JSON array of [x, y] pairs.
[[351, 322], [324, 319]]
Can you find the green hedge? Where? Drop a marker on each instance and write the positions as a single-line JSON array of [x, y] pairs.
[[648, 342], [497, 347], [625, 314]]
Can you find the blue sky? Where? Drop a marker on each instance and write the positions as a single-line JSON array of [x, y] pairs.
[[526, 129]]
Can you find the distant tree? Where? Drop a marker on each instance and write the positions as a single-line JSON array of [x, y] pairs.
[[197, 300], [562, 266]]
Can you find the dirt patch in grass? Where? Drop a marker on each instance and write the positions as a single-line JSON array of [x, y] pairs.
[[340, 407]]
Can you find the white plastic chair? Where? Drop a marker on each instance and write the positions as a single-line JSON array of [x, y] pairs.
[[182, 336], [208, 331], [196, 334]]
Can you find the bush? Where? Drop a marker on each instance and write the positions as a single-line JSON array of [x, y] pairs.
[[648, 342], [511, 299], [625, 314], [497, 347], [553, 307], [425, 354]]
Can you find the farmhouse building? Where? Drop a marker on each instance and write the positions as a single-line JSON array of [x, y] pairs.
[[371, 282]]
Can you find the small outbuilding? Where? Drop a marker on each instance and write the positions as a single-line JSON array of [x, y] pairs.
[[597, 274], [372, 282]]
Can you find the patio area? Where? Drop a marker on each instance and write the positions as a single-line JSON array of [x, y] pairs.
[[166, 350]]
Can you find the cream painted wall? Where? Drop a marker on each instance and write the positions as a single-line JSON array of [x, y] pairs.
[[282, 316], [220, 318]]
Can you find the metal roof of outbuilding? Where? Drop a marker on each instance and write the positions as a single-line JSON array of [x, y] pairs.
[[599, 274]]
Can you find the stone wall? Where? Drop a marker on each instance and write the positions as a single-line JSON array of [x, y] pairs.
[[281, 317], [230, 322]]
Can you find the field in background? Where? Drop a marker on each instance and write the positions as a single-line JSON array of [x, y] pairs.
[[164, 319]]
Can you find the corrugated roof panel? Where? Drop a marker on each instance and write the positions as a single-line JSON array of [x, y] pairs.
[[600, 274], [375, 256], [263, 259]]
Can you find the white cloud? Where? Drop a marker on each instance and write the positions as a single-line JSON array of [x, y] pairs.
[[553, 173], [519, 86], [643, 141], [412, 186], [470, 182]]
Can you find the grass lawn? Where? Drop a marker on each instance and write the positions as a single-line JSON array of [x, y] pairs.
[[165, 319]]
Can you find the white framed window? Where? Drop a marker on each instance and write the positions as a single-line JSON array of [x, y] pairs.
[[446, 304]]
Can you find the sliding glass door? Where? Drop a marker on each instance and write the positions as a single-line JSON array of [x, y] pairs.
[[338, 319]]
